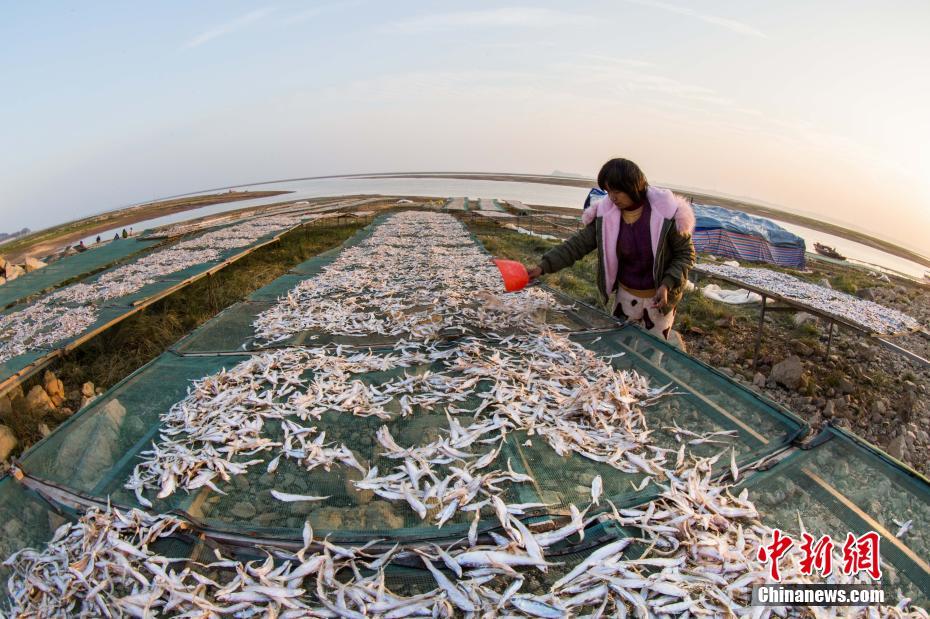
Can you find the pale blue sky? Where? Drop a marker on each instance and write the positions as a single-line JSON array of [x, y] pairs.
[[821, 107]]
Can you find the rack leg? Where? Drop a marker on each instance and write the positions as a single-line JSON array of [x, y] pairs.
[[755, 356], [830, 339]]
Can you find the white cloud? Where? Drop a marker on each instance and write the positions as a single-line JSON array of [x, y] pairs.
[[229, 27], [524, 17], [724, 22]]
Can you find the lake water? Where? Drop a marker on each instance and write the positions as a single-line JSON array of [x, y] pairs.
[[529, 193]]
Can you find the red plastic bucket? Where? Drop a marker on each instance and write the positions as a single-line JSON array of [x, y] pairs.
[[514, 274]]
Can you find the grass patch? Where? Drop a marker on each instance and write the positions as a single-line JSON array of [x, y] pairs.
[[845, 283], [697, 311]]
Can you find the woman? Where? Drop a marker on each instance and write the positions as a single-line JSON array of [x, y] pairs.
[[643, 239]]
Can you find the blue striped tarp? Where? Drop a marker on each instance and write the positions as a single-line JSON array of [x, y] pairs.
[[730, 244]]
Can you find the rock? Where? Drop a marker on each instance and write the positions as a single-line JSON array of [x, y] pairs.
[[879, 408], [13, 271], [106, 448], [2, 280], [244, 510], [728, 371], [87, 389], [788, 372], [34, 264], [674, 338], [801, 348], [846, 386], [801, 318], [2, 263], [328, 518], [866, 293], [6, 406], [829, 410], [382, 513], [825, 283], [759, 379], [7, 442], [897, 447], [54, 388], [85, 400], [37, 401], [44, 430]]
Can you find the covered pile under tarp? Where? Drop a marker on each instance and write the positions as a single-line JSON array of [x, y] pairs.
[[733, 234]]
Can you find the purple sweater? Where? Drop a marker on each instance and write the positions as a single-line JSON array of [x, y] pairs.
[[634, 253]]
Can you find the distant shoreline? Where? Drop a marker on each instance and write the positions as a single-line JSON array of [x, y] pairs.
[[731, 203], [44, 242], [52, 238]]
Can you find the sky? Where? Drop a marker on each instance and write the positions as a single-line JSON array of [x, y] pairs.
[[819, 107]]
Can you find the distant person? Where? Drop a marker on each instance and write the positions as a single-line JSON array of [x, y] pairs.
[[130, 230], [80, 246], [642, 235], [98, 239], [125, 234], [116, 236]]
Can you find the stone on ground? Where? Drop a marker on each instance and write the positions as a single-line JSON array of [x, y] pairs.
[[13, 271], [34, 264], [788, 372], [7, 442], [54, 388], [37, 401], [897, 447]]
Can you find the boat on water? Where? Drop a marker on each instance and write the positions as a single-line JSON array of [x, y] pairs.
[[829, 252]]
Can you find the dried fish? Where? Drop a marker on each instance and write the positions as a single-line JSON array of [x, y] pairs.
[[869, 315], [70, 311]]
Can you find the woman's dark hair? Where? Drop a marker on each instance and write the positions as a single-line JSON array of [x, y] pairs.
[[623, 175]]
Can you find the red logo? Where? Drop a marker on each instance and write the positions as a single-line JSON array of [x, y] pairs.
[[817, 556], [860, 554], [774, 551]]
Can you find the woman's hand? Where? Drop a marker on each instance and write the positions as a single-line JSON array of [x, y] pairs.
[[533, 272], [661, 298]]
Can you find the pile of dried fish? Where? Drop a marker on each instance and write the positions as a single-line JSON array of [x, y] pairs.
[[224, 417], [418, 274], [132, 277], [54, 317], [700, 560], [871, 316], [68, 312], [543, 384], [241, 235], [40, 325]]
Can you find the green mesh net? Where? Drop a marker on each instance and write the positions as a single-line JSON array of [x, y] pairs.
[[840, 485], [69, 268]]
